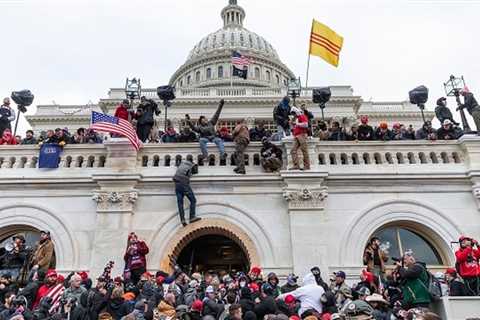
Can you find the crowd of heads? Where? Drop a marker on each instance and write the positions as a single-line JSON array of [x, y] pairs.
[[403, 290]]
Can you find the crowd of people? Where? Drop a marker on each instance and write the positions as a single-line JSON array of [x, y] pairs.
[[285, 118], [31, 289]]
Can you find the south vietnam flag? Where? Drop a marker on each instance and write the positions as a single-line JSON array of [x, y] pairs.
[[325, 43]]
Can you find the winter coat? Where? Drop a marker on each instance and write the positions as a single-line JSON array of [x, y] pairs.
[[44, 254], [301, 126], [212, 308], [122, 112], [96, 302], [457, 288], [145, 112], [369, 255], [266, 306], [424, 134], [7, 115], [365, 132], [118, 308], [308, 294], [241, 133], [208, 130], [415, 284], [282, 112], [71, 292], [449, 134], [164, 309], [468, 261], [184, 172], [470, 103], [442, 113], [256, 134], [289, 288], [30, 292], [140, 252]]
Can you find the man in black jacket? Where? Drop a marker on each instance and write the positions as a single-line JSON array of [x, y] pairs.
[[456, 287], [144, 117], [442, 112], [207, 132], [472, 106], [182, 189], [281, 116], [271, 156], [30, 290]]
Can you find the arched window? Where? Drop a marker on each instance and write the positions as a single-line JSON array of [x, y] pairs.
[[209, 73], [197, 76], [257, 73], [398, 240], [220, 72], [269, 77], [189, 80], [181, 83], [277, 78]]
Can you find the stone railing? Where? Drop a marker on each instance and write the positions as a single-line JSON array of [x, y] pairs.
[[335, 157]]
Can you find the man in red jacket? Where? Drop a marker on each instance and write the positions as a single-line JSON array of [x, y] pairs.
[[300, 136], [50, 282], [123, 112], [468, 264]]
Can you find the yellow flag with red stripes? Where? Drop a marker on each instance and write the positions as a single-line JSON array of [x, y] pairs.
[[325, 43]]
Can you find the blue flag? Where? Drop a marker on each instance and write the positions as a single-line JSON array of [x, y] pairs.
[[49, 156]]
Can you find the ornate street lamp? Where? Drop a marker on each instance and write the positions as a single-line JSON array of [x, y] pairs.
[[133, 89], [452, 89], [294, 87]]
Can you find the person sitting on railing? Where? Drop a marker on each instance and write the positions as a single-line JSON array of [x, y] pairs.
[[7, 138], [187, 135], [29, 138], [383, 133], [257, 133], [241, 136], [365, 131], [336, 132], [448, 131], [426, 132], [321, 131], [225, 135], [206, 130], [272, 159], [170, 136]]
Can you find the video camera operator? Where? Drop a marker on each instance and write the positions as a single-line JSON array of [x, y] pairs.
[[7, 115], [14, 257], [468, 256], [144, 116], [414, 280]]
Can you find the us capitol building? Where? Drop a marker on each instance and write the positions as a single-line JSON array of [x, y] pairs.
[[418, 195]]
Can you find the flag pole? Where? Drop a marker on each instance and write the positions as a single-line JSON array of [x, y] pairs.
[[309, 50], [231, 76]]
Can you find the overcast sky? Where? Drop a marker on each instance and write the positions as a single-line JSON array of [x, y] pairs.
[[73, 51]]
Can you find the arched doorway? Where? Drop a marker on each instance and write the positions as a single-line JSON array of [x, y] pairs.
[[213, 253], [219, 238]]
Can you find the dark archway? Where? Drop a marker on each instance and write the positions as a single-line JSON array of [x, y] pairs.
[[213, 253]]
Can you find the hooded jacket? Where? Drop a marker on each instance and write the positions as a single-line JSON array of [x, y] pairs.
[[208, 130], [281, 113], [184, 172], [308, 294], [467, 259]]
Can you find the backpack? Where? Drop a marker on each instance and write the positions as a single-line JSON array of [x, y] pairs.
[[434, 287]]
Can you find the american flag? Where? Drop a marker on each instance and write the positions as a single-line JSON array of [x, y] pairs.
[[105, 123], [240, 61], [55, 293]]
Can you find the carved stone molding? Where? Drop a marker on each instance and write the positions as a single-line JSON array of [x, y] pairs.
[[306, 197], [114, 201], [476, 193]]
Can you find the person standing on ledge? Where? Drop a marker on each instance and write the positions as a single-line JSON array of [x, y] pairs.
[[207, 132], [241, 136], [472, 106], [7, 115], [300, 133], [182, 188]]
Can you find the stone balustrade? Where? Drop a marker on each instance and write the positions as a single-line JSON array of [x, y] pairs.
[[324, 155]]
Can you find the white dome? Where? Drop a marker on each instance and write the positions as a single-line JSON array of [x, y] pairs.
[[236, 38]]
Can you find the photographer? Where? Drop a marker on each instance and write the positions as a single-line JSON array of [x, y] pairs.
[[135, 258], [14, 259], [468, 256], [271, 156], [144, 116], [206, 130], [426, 132], [7, 115], [414, 280]]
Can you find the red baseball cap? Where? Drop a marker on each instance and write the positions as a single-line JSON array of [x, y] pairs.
[[197, 305], [289, 299]]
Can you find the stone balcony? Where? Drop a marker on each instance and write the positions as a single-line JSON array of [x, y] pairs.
[[345, 159]]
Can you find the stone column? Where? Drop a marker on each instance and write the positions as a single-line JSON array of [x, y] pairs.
[[306, 193], [115, 198], [471, 147]]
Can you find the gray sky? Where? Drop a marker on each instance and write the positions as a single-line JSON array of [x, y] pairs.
[[73, 51]]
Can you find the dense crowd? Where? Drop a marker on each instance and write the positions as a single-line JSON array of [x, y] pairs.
[[30, 288], [205, 131]]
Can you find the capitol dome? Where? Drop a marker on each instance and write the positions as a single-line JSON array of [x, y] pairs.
[[209, 62]]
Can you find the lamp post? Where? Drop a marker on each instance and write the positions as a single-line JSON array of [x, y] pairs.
[[294, 88], [133, 89], [452, 89]]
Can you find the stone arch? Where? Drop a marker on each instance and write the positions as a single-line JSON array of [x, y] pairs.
[[43, 219], [218, 218], [441, 229], [208, 227]]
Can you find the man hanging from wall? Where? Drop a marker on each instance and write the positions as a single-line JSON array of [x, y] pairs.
[[182, 189]]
